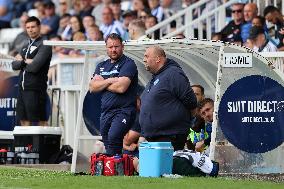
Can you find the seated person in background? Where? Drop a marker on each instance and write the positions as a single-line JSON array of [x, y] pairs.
[[206, 109], [274, 16], [197, 133], [21, 39], [78, 36], [259, 42], [260, 22], [94, 34], [232, 31]]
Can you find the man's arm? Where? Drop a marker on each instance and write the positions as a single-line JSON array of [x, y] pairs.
[[42, 56], [183, 91], [19, 63], [98, 83], [130, 140], [120, 86]]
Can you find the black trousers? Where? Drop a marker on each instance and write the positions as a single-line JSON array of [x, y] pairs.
[[178, 141]]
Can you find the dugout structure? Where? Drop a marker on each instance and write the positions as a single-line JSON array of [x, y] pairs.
[[222, 69]]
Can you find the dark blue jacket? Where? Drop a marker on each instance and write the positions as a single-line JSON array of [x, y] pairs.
[[166, 102]]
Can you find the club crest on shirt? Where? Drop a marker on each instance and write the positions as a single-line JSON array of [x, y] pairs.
[[156, 81], [32, 49]]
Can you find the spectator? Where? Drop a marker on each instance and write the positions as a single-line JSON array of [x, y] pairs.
[[167, 101], [76, 25], [144, 14], [76, 4], [98, 9], [57, 50], [94, 34], [39, 10], [86, 8], [259, 41], [150, 22], [258, 21], [273, 15], [6, 14], [64, 7], [250, 11], [137, 30], [89, 21], [115, 6], [172, 5], [140, 5], [206, 109], [50, 22], [78, 36], [156, 9], [110, 25], [117, 80], [21, 38], [33, 63], [64, 30], [128, 16], [232, 31]]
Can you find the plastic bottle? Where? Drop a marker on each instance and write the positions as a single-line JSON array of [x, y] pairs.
[[118, 165], [99, 166]]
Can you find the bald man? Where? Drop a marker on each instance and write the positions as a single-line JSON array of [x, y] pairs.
[[167, 101], [250, 12]]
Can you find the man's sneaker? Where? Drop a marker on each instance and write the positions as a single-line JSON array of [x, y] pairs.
[[215, 169]]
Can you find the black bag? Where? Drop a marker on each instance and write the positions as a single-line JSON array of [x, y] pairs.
[[64, 155]]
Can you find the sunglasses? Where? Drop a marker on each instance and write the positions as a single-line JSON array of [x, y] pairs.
[[237, 11]]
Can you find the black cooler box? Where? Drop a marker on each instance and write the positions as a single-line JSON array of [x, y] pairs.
[[44, 141]]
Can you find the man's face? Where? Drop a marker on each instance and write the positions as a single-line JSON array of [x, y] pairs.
[[237, 12], [271, 17], [206, 112], [249, 13], [33, 30], [256, 22], [114, 49], [107, 16], [153, 3], [88, 21], [150, 60], [198, 93], [150, 22]]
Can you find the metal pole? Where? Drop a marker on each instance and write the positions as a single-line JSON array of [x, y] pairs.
[[216, 103]]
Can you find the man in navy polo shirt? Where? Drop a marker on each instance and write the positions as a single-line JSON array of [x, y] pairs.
[[117, 79]]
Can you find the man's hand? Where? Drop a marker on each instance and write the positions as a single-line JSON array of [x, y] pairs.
[[28, 61], [113, 79], [199, 146], [98, 78], [19, 57]]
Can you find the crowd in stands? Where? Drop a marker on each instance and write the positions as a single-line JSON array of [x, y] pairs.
[[93, 20], [250, 29]]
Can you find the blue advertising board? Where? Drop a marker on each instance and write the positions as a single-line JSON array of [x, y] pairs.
[[8, 104], [251, 114]]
